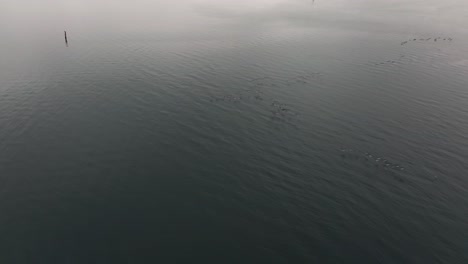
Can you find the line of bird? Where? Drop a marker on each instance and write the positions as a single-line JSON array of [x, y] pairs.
[[278, 109], [426, 39], [281, 109], [255, 88], [298, 79], [255, 92], [390, 61], [366, 156]]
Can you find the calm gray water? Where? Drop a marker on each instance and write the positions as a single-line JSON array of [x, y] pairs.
[[203, 131]]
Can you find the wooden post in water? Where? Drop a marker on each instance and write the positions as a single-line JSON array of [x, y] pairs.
[[66, 40]]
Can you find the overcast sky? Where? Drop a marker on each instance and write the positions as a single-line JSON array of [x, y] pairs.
[[182, 15]]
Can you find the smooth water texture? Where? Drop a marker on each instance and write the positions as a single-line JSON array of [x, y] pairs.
[[203, 131]]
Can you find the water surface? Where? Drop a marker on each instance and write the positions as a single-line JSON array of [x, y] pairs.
[[225, 132]]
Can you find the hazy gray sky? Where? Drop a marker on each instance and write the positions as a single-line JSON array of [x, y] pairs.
[[169, 15]]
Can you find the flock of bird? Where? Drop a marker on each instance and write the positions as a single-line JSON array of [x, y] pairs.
[[255, 91], [305, 79], [377, 161], [426, 39], [285, 113], [280, 111], [410, 40], [390, 61]]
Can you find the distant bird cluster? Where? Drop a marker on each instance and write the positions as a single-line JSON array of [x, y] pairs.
[[227, 98], [254, 91], [385, 62], [305, 79], [390, 61], [395, 61], [263, 81], [426, 39], [378, 162], [384, 162], [281, 110]]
